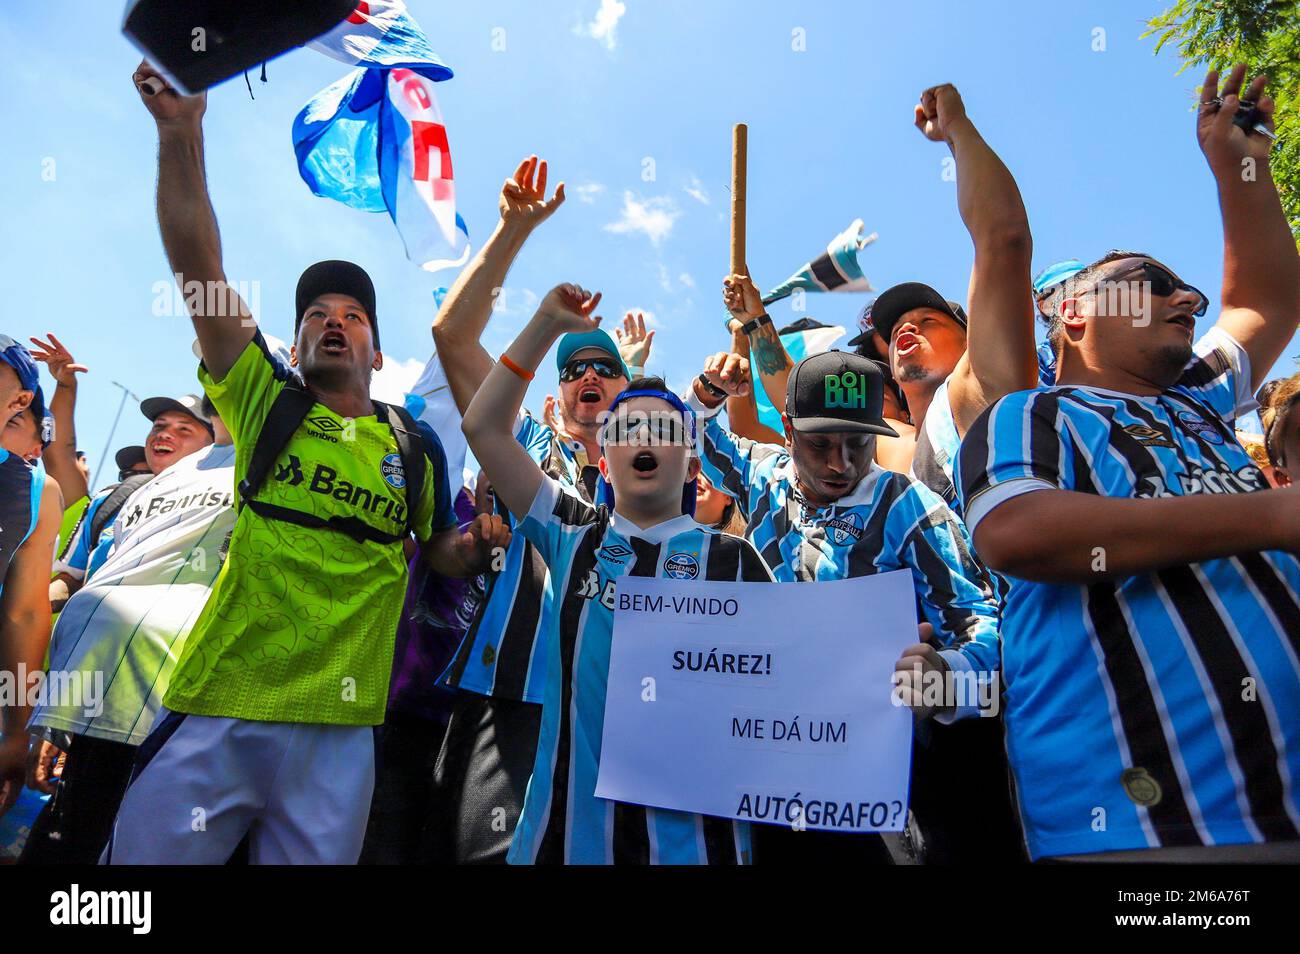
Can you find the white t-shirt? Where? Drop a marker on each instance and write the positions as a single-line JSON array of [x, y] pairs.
[[118, 638]]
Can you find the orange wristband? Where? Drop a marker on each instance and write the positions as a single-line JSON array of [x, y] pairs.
[[522, 372]]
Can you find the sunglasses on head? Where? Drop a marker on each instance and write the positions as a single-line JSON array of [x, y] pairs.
[[602, 366], [1162, 282]]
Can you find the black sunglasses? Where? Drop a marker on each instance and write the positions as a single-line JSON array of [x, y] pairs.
[[576, 369], [1162, 282]]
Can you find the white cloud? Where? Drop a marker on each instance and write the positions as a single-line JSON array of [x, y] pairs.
[[697, 191], [391, 382], [685, 279], [587, 193], [652, 217], [604, 26], [665, 280]]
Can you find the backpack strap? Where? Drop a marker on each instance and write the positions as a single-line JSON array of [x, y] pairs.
[[411, 449], [108, 510], [288, 411]]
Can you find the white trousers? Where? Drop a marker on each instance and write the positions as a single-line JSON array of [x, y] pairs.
[[300, 791]]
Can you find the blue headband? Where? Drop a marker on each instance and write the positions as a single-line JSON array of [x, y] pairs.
[[605, 492]]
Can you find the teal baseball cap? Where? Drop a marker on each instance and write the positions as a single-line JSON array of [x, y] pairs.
[[574, 342]]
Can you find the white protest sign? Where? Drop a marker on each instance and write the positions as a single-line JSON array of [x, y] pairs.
[[761, 701]]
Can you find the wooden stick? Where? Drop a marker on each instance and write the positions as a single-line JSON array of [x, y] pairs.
[[739, 158]]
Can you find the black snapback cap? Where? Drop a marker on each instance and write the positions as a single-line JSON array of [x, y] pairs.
[[894, 303], [837, 391], [336, 277]]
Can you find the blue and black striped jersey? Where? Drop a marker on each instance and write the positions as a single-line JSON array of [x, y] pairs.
[[588, 550], [1161, 709], [504, 651], [888, 522]]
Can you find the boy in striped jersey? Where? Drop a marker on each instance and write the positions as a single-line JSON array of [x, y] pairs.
[[1152, 632], [499, 670], [650, 480]]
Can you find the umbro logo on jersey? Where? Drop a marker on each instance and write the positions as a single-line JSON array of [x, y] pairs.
[[1148, 436], [614, 553], [290, 473], [325, 427]]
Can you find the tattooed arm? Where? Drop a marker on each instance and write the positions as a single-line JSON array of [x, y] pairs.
[[742, 409], [767, 355]]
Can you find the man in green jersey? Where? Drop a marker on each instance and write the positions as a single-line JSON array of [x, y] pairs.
[[266, 727]]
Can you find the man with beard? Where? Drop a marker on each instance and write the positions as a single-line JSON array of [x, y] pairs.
[[1152, 698]]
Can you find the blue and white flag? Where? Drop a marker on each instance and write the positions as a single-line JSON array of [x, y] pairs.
[[375, 140], [836, 269], [380, 34]]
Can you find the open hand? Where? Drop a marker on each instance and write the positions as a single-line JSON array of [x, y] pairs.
[[1224, 143], [62, 365], [634, 341], [523, 197]]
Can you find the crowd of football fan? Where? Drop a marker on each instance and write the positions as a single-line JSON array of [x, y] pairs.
[[292, 631]]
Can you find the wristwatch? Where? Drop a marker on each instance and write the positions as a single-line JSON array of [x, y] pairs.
[[712, 388]]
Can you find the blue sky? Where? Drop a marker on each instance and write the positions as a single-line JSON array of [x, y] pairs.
[[1101, 142]]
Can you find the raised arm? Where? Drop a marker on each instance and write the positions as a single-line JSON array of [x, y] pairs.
[[1000, 356], [767, 355], [490, 418], [1261, 267], [742, 409], [189, 225], [24, 636], [460, 322], [60, 458]]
